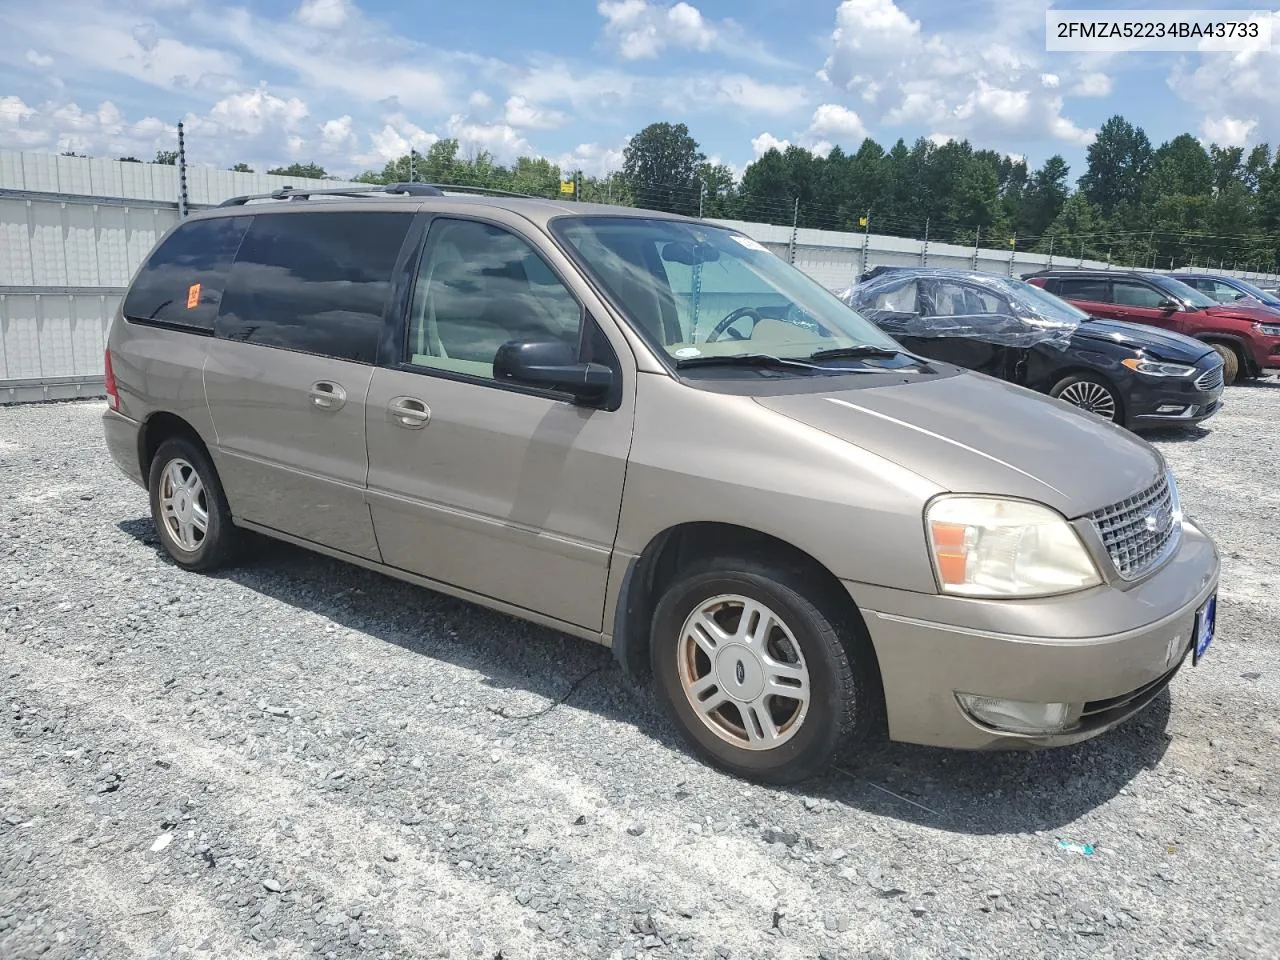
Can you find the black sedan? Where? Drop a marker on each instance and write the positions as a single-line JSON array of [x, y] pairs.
[[1134, 375]]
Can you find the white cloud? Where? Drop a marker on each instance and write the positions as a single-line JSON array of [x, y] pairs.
[[641, 29], [254, 111], [839, 123], [1227, 131], [592, 159], [1092, 85], [394, 140], [983, 81], [940, 139], [13, 111], [42, 60], [324, 14], [1227, 90], [743, 91], [480, 99], [338, 135], [500, 139], [767, 141], [60, 126], [519, 112]]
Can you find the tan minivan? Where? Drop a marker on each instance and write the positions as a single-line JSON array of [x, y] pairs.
[[651, 432]]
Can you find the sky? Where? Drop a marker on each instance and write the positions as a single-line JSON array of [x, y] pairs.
[[350, 84]]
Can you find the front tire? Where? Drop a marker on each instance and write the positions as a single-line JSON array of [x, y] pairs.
[[189, 508], [1091, 393], [767, 678], [1230, 362]]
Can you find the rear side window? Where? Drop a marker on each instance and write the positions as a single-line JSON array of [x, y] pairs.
[[1082, 288], [182, 282], [1131, 294], [314, 282]]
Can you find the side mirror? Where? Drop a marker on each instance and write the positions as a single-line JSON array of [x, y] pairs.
[[552, 364], [1168, 304]]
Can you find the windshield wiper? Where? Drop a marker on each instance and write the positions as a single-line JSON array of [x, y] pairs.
[[861, 350], [743, 360]]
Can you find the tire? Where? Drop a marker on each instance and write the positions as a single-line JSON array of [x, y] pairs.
[[1230, 362], [190, 547], [1092, 393], [811, 635]]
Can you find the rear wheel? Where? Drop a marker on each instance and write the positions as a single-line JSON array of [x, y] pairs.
[[1092, 393], [766, 677], [189, 508], [1230, 362]]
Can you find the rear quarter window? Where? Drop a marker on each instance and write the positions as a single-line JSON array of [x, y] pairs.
[[182, 282], [314, 282]]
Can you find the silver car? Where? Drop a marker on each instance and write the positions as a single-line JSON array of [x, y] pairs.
[[652, 433]]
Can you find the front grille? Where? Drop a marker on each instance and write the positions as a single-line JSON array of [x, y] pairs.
[[1210, 379], [1140, 531]]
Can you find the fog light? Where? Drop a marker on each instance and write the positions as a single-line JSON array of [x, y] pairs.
[[1171, 408], [1016, 716]]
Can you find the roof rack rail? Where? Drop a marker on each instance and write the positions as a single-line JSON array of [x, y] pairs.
[[292, 193], [485, 191]]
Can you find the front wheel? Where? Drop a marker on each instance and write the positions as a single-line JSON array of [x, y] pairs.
[[766, 677], [1091, 393]]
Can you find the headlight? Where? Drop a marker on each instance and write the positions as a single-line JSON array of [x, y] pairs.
[[1153, 368], [1269, 329], [990, 547]]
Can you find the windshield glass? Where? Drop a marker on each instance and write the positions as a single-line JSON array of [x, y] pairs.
[[1043, 303], [695, 290], [1182, 291], [1244, 286]]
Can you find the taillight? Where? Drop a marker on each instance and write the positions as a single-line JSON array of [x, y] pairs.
[[113, 395]]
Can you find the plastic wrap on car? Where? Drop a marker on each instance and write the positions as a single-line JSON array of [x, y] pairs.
[[1022, 326]]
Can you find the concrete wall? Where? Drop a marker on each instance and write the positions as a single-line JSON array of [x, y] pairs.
[[74, 230]]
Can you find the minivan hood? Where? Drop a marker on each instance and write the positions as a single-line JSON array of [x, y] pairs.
[[971, 433], [1161, 344]]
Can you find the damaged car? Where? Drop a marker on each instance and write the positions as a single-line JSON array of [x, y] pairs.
[[1129, 374]]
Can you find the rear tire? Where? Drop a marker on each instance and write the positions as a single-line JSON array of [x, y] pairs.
[[1092, 393], [783, 681], [1230, 362], [188, 507]]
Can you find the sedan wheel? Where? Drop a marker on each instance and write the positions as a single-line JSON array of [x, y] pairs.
[[1091, 394]]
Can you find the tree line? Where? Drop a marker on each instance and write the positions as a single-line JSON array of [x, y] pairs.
[[1171, 205]]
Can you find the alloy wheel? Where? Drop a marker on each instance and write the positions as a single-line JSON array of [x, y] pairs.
[[743, 673], [1091, 396], [184, 506]]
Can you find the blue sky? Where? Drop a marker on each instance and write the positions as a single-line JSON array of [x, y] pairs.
[[352, 83]]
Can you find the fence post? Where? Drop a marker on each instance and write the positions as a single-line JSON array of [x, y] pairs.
[[182, 174], [795, 222], [924, 249], [1051, 239], [1013, 252], [977, 239], [866, 240]]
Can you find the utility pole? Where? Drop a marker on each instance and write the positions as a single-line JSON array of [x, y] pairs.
[[924, 250], [182, 174]]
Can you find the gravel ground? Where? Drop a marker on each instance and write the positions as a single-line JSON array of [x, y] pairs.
[[300, 758]]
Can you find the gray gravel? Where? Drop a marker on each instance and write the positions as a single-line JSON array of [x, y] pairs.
[[300, 758]]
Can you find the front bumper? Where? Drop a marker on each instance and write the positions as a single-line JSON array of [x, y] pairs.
[[1171, 402], [1107, 651]]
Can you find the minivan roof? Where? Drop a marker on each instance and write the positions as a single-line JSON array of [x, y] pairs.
[[536, 209]]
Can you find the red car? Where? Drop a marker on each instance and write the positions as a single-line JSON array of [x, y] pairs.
[[1247, 337]]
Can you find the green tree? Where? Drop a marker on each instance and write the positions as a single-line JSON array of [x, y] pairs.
[[1043, 198], [310, 170], [1181, 166], [128, 159], [719, 191], [661, 166], [242, 167], [168, 158], [1119, 162]]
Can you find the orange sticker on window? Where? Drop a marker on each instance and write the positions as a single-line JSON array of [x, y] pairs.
[[193, 296]]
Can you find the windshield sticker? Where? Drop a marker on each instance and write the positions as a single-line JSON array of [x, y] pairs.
[[748, 243], [685, 353]]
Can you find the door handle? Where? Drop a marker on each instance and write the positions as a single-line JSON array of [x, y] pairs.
[[409, 412], [326, 395]]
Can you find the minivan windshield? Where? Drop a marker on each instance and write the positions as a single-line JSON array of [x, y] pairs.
[[700, 292]]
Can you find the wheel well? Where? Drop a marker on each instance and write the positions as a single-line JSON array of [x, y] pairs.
[[158, 428], [677, 548]]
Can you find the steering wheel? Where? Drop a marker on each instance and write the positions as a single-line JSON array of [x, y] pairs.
[[724, 325]]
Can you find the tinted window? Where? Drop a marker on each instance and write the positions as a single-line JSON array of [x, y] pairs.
[[478, 287], [1082, 288], [1132, 294], [314, 282], [181, 283]]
